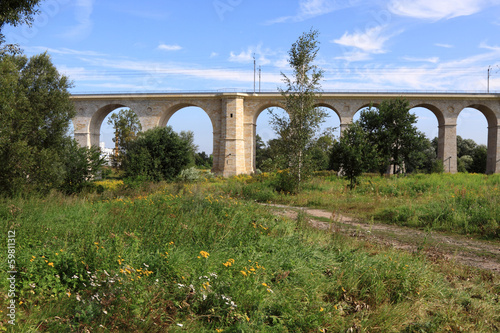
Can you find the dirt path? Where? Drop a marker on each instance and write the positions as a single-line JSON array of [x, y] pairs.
[[463, 250]]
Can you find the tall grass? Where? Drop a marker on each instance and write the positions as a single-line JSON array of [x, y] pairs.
[[458, 203], [194, 258]]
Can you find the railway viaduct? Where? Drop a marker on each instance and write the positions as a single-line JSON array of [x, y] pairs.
[[234, 117]]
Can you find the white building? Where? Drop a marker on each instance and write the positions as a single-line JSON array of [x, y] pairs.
[[106, 153]]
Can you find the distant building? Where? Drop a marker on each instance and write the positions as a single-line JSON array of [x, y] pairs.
[[106, 153]]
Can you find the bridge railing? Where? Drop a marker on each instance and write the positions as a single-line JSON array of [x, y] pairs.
[[270, 91]]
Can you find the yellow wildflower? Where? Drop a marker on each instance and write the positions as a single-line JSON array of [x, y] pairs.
[[204, 254]]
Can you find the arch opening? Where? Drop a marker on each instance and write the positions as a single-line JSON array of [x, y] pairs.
[[194, 123], [472, 140], [264, 139], [106, 137]]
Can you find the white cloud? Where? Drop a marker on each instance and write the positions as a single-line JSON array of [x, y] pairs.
[[158, 69], [282, 62], [83, 12], [244, 56], [312, 8], [456, 75], [431, 60], [354, 56], [447, 46], [166, 47], [261, 55], [483, 45], [370, 41], [214, 54], [438, 9], [62, 51]]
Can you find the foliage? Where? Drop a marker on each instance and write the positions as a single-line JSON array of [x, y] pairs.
[[203, 261], [202, 160], [157, 154], [109, 184], [353, 153], [15, 12], [35, 109], [479, 158], [285, 182], [126, 125], [191, 174], [268, 157], [391, 128], [471, 156], [297, 129], [320, 151], [81, 164]]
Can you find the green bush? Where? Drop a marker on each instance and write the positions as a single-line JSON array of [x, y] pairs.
[[285, 182], [157, 154]]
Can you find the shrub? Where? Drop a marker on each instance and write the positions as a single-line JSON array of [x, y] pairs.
[[157, 154], [191, 174], [285, 182]]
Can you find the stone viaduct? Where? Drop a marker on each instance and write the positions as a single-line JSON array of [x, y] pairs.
[[234, 118]]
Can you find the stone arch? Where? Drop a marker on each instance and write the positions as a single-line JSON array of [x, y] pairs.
[[493, 141], [435, 110], [169, 111], [98, 118], [264, 106], [328, 106], [488, 113], [252, 113], [364, 105], [367, 105], [333, 109]]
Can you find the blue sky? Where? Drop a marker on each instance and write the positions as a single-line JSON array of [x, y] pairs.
[[208, 45]]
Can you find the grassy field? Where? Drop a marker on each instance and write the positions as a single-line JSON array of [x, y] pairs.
[[202, 258], [457, 203]]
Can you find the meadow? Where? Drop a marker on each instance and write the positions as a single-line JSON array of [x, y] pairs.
[[205, 257], [467, 204]]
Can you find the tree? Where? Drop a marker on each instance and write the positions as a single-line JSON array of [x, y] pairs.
[[14, 12], [81, 164], [202, 160], [157, 154], [479, 158], [260, 152], [268, 156], [320, 150], [465, 146], [397, 139], [353, 153], [188, 136], [126, 125], [299, 127], [35, 109]]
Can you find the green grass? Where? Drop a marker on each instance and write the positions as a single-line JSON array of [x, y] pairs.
[[457, 203], [156, 258]]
